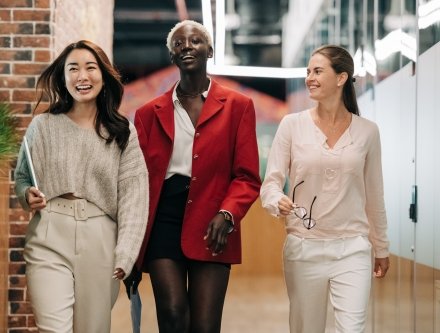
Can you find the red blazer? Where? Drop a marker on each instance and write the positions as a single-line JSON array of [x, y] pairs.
[[225, 166]]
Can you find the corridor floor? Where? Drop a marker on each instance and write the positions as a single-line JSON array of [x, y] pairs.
[[257, 305], [253, 305]]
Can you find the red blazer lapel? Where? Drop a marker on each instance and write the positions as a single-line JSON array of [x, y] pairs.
[[213, 104], [164, 110]]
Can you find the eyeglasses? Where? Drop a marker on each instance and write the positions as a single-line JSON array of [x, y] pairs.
[[301, 212]]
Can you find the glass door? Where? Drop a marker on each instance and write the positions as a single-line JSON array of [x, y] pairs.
[[427, 249], [393, 108]]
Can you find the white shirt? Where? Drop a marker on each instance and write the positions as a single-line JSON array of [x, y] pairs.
[[181, 157], [346, 179]]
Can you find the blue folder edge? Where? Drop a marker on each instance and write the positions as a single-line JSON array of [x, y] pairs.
[[135, 310]]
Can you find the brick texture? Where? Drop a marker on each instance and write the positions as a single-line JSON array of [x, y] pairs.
[[5, 14], [17, 321], [32, 33], [15, 55]]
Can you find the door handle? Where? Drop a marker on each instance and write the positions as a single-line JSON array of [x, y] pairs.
[[413, 205]]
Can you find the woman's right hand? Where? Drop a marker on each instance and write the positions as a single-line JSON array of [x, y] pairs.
[[285, 206], [35, 198]]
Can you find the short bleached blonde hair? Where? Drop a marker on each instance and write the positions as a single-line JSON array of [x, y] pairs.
[[198, 25]]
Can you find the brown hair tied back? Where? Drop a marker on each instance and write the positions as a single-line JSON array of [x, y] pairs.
[[341, 61]]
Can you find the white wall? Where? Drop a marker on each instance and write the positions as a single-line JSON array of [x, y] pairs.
[[83, 19], [393, 109], [428, 158], [407, 110]]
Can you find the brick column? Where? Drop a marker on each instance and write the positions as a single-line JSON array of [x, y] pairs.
[[32, 32], [25, 50]]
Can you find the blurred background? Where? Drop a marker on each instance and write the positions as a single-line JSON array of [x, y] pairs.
[[261, 48]]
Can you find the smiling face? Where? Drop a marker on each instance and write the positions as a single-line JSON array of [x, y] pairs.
[[83, 76], [190, 49], [322, 81]]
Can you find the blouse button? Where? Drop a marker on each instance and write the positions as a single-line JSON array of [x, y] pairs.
[[196, 156], [189, 202], [330, 173], [197, 134]]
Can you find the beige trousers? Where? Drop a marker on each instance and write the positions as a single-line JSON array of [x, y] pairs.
[[69, 254], [316, 269]]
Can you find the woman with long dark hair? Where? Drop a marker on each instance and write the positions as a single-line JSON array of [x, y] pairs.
[[91, 205]]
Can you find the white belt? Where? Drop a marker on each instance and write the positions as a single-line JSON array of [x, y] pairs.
[[81, 209]]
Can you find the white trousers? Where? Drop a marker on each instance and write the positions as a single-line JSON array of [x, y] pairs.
[[69, 254], [316, 269]]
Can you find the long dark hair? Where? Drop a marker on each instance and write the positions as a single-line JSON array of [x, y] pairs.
[[51, 87], [341, 61]]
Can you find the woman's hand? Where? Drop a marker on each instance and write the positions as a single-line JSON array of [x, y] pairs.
[[35, 199], [217, 234], [381, 266], [132, 281], [285, 206], [118, 274]]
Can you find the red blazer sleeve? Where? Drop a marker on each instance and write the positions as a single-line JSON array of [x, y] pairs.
[[246, 182]]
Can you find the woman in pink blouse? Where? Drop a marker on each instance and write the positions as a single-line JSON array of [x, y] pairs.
[[334, 210]]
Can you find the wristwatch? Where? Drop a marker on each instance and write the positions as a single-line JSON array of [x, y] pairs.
[[228, 218]]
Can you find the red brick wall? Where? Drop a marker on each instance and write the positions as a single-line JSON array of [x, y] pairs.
[[31, 33], [25, 50]]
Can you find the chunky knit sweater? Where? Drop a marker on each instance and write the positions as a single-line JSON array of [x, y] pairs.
[[71, 159]]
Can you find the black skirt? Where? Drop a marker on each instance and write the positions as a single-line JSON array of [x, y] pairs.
[[165, 236]]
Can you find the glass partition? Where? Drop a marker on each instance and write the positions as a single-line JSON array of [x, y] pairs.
[[274, 39], [381, 36], [428, 24]]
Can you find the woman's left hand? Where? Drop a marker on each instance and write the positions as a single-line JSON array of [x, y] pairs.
[[118, 274], [217, 234], [381, 266]]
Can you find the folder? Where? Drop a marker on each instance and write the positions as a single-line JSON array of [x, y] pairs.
[[29, 162], [135, 309]]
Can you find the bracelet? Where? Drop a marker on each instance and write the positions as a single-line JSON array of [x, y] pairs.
[[228, 218]]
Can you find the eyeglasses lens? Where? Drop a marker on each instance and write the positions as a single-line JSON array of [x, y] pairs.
[[300, 212], [309, 223]]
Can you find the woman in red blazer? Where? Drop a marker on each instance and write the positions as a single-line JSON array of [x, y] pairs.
[[200, 146]]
